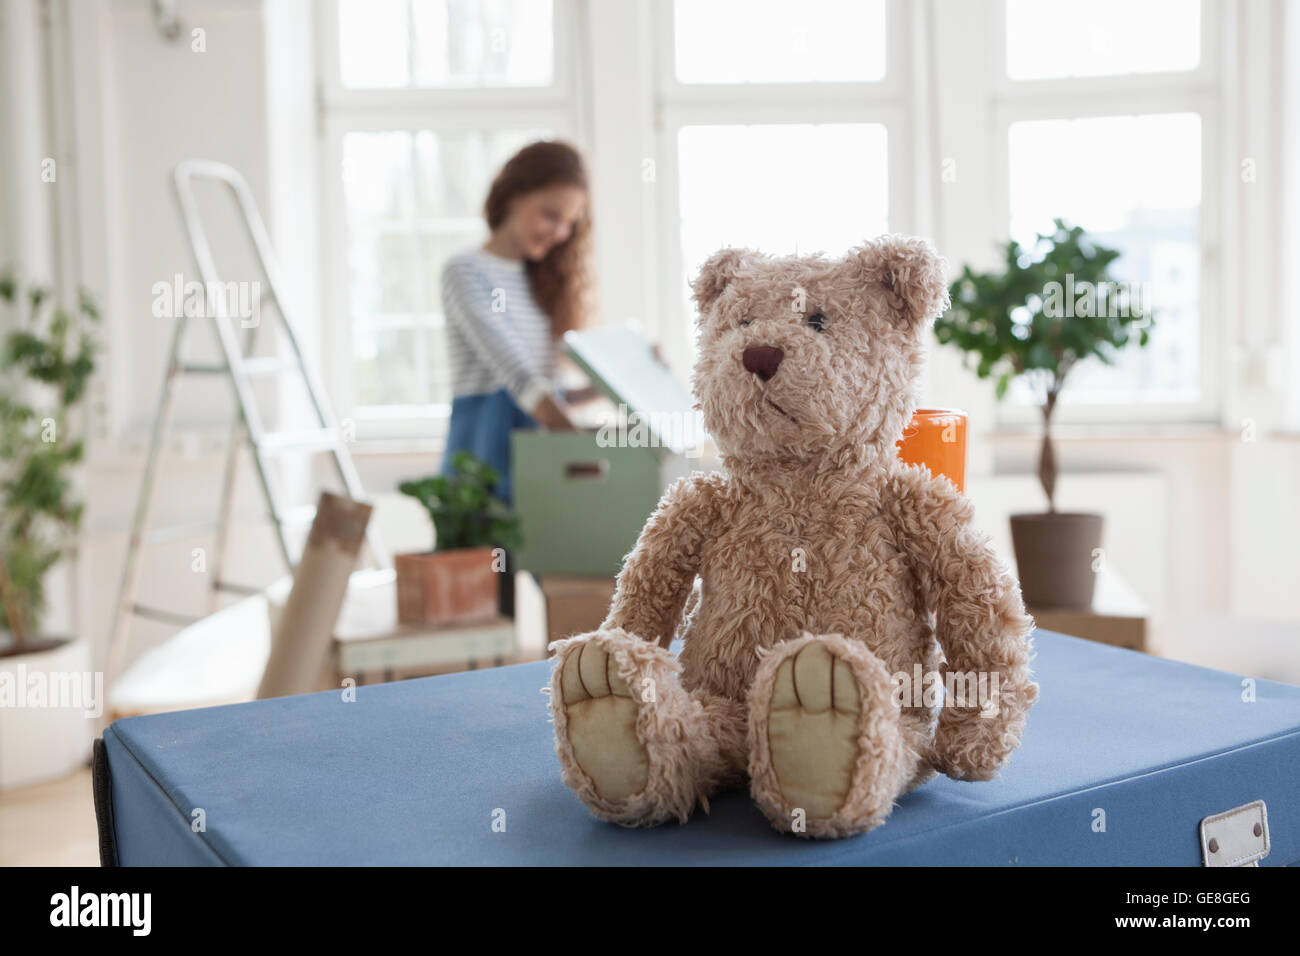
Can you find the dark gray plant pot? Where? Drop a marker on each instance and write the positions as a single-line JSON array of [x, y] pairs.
[[1054, 557]]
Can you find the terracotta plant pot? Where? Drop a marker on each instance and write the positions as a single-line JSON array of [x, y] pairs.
[[447, 587], [1055, 553]]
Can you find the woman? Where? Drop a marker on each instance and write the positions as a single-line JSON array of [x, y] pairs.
[[508, 302]]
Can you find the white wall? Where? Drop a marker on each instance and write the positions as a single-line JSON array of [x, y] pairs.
[[142, 104], [172, 103], [1194, 543], [1290, 211], [26, 201]]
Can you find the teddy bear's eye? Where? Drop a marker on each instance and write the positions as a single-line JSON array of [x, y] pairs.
[[817, 321], [744, 321]]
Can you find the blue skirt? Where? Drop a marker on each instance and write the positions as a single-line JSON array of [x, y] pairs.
[[481, 425]]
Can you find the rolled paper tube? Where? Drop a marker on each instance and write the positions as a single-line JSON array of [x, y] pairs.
[[302, 643]]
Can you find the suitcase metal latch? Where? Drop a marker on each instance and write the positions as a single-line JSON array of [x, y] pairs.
[[1237, 837]]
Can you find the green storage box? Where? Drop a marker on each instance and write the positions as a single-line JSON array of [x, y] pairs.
[[582, 497]]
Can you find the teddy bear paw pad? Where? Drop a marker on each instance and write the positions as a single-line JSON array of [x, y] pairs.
[[812, 730], [601, 718]]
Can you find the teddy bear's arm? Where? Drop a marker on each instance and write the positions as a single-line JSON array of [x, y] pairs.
[[658, 575], [980, 621]]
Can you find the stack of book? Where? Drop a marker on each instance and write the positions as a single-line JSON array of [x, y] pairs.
[[371, 646], [413, 651]]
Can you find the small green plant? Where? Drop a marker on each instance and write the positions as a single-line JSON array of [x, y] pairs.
[[45, 366], [1047, 309], [465, 512]]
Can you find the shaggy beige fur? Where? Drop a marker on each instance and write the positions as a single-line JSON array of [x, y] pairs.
[[815, 534]]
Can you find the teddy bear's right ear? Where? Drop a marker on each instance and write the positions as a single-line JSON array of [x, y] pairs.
[[718, 270]]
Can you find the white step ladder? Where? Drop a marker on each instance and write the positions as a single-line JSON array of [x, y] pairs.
[[241, 367]]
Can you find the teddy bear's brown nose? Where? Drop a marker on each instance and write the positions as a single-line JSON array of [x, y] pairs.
[[762, 360]]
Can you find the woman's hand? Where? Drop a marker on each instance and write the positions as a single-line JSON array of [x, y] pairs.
[[581, 396], [553, 415]]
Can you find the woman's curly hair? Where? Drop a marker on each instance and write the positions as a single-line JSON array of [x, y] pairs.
[[560, 282]]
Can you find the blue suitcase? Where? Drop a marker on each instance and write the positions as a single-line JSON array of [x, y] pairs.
[[1127, 759]]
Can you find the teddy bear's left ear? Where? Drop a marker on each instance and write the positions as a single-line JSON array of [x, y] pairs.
[[910, 273]]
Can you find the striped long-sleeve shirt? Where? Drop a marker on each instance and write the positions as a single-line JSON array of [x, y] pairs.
[[497, 336]]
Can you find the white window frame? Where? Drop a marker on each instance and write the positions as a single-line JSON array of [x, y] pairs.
[[1199, 91], [938, 79], [556, 107], [889, 102]]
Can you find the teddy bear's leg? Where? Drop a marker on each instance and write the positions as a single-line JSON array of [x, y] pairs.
[[827, 755], [635, 746]]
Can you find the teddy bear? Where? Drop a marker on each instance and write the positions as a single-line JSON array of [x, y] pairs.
[[827, 568]]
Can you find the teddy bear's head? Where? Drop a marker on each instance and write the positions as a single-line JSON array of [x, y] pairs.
[[804, 357]]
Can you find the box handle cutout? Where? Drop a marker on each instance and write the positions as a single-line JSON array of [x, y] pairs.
[[589, 470]]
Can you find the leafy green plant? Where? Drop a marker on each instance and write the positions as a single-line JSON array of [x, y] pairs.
[[1049, 307], [465, 512], [45, 366]]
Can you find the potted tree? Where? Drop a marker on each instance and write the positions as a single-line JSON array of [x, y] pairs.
[[45, 365], [456, 582], [1048, 308]]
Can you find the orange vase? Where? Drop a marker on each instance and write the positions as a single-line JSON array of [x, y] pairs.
[[936, 438]]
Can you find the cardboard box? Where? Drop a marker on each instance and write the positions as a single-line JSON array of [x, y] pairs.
[[551, 608], [583, 497], [1117, 616], [575, 605]]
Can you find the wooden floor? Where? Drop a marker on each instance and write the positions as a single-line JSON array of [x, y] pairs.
[[50, 824]]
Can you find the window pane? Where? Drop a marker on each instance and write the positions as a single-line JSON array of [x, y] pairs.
[[384, 371], [447, 43], [412, 199], [399, 365], [780, 189], [1059, 38], [1134, 184], [766, 41]]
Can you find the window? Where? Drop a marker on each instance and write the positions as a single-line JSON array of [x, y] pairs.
[[445, 43], [786, 129], [765, 41], [1049, 39], [424, 100], [1108, 129], [723, 169], [411, 200], [1134, 182], [804, 111]]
